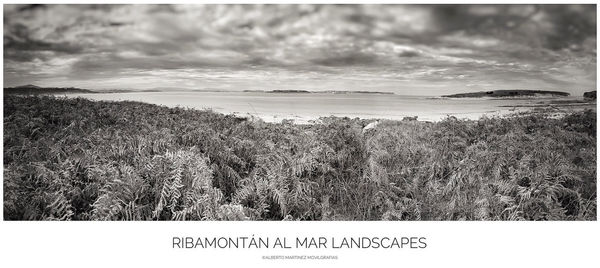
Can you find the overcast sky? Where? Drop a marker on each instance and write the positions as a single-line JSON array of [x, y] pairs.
[[426, 50]]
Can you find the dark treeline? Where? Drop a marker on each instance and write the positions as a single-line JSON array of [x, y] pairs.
[[75, 159]]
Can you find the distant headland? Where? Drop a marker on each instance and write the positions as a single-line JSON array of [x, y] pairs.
[[508, 93], [35, 90]]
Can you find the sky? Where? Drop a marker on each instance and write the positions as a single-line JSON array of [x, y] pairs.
[[406, 49]]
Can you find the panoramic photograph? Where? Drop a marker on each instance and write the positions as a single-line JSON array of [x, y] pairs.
[[299, 112]]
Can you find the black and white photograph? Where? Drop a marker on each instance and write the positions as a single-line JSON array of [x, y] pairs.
[[299, 112]]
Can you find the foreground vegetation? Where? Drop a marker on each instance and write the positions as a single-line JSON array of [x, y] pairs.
[[75, 159]]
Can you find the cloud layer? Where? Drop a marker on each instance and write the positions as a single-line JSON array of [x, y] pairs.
[[407, 49]]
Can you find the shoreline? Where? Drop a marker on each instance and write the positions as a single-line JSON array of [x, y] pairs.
[[550, 105]]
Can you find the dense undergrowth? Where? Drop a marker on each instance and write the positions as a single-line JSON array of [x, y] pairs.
[[75, 159]]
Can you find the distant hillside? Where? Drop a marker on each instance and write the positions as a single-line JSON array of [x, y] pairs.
[[288, 91], [508, 93], [590, 95], [35, 90]]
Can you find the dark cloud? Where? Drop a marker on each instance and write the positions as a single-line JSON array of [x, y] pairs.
[[30, 7], [408, 54], [572, 26], [20, 46], [116, 24], [551, 26]]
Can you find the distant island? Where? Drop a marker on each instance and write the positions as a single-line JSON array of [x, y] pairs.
[[508, 93], [125, 91], [288, 91], [35, 90], [326, 91]]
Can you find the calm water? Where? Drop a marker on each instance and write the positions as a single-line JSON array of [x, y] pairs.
[[273, 107]]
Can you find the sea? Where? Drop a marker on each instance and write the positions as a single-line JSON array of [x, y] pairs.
[[308, 107]]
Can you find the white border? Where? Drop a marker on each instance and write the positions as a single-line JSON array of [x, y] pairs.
[[454, 244]]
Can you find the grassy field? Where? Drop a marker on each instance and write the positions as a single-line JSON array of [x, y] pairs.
[[75, 159]]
